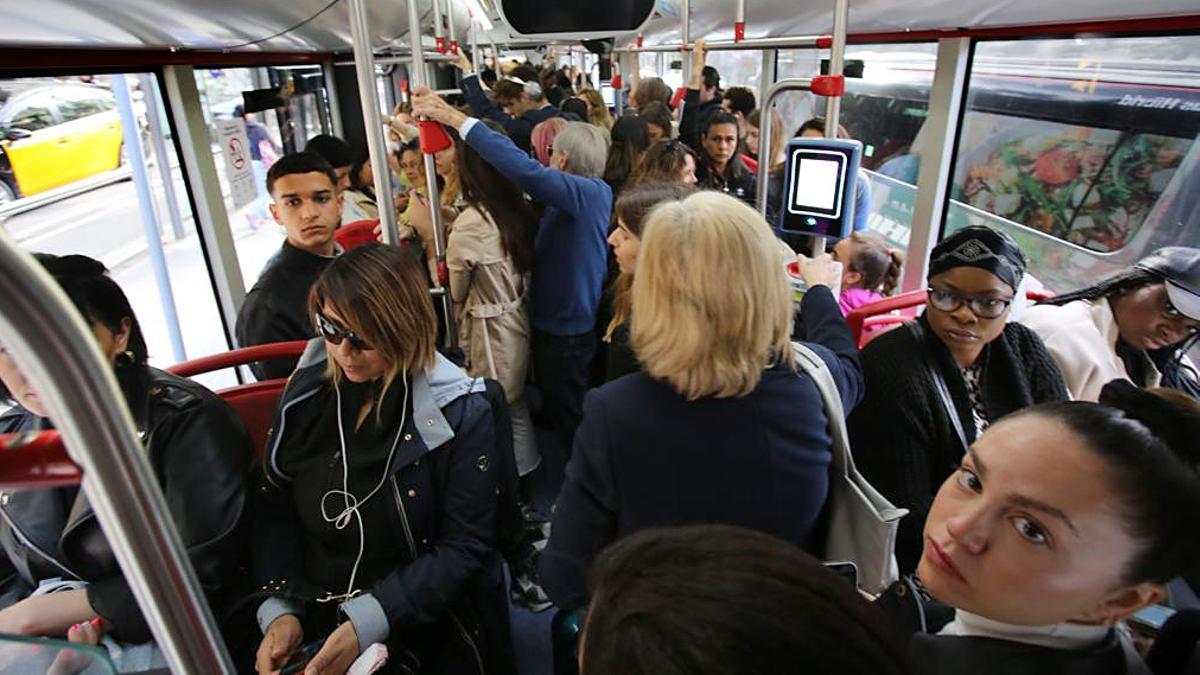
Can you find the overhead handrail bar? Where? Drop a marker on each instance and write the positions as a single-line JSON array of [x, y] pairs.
[[364, 60], [800, 42], [401, 58], [58, 353]]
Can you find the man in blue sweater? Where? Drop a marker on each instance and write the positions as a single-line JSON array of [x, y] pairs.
[[570, 249]]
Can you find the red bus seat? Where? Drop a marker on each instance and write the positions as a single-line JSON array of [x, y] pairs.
[[355, 234], [895, 310], [254, 402]]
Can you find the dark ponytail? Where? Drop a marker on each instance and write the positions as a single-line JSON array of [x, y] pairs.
[[1147, 439], [878, 264], [97, 297]]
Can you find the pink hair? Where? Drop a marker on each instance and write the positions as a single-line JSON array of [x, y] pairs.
[[542, 138]]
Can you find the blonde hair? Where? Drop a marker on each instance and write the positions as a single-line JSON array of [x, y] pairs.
[[601, 117], [380, 293], [711, 303]]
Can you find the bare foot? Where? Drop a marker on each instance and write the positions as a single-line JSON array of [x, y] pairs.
[[70, 661]]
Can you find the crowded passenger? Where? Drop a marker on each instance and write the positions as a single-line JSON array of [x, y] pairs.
[[739, 102], [489, 253], [1062, 521], [306, 201], [717, 600], [778, 150], [658, 120], [1137, 325], [576, 109], [630, 138], [632, 207], [342, 158], [935, 384], [361, 192], [815, 128], [542, 138], [702, 100], [58, 568], [670, 445], [666, 162], [648, 90], [520, 104], [598, 112], [721, 166], [569, 250], [376, 521], [870, 270]]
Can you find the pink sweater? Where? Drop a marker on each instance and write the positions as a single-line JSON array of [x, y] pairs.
[[853, 298]]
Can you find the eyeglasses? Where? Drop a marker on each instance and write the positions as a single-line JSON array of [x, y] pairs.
[[334, 334], [982, 306]]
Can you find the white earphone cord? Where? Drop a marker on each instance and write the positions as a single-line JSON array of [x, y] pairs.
[[351, 510]]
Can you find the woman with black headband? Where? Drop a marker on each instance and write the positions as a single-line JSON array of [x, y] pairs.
[[1137, 326], [935, 384]]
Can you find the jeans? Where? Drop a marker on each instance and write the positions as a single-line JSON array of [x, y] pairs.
[[561, 364]]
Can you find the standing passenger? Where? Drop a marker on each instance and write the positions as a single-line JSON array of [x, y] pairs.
[[598, 112], [721, 167], [718, 427], [666, 162], [520, 104], [658, 121], [569, 251], [377, 515], [307, 203], [342, 158], [630, 138], [703, 100], [935, 384], [1136, 326], [542, 138]]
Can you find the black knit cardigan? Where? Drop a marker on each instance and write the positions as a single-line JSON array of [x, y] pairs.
[[901, 436]]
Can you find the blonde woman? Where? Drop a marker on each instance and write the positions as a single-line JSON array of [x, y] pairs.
[[718, 427], [598, 113]]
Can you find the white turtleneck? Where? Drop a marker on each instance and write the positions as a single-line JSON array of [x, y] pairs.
[[1057, 636]]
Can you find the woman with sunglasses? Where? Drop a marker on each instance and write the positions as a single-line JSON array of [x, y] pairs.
[[935, 384], [376, 521], [1137, 326]]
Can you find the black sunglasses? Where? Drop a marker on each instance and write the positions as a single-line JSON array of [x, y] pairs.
[[334, 334]]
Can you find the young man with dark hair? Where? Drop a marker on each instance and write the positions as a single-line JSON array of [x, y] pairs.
[[702, 100], [306, 201], [519, 105]]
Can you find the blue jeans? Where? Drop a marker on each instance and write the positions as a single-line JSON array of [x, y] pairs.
[[561, 364]]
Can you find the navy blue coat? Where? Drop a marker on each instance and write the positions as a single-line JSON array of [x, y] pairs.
[[645, 456]]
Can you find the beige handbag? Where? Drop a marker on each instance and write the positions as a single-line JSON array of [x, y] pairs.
[[861, 523]]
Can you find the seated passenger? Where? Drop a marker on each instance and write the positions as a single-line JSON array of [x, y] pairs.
[[665, 162], [721, 167], [307, 203], [1061, 522], [342, 158], [520, 105], [906, 438], [378, 507], [658, 121], [870, 270], [362, 189], [632, 207], [1137, 326], [569, 250], [489, 253], [718, 427], [630, 138], [542, 138], [716, 600], [57, 567]]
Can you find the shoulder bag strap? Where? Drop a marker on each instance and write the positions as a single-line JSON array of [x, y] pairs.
[[939, 383]]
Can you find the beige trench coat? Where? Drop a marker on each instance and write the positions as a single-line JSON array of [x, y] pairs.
[[489, 302]]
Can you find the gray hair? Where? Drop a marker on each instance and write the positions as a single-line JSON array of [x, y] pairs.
[[586, 148]]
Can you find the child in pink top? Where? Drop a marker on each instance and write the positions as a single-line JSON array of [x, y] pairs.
[[870, 270]]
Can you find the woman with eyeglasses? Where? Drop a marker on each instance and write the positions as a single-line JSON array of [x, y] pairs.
[[934, 384], [376, 518], [1137, 325]]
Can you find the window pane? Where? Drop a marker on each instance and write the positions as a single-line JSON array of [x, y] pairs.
[[738, 68], [885, 109], [1080, 147]]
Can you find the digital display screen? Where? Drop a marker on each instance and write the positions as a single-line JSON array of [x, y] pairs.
[[817, 184]]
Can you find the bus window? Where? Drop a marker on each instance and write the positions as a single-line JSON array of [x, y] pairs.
[[1071, 146], [885, 109]]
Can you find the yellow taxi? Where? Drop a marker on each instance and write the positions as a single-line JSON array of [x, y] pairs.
[[54, 134]]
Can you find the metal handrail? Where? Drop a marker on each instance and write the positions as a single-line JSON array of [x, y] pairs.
[[58, 353], [764, 134]]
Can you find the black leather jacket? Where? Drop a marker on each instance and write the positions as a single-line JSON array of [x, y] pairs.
[[200, 453]]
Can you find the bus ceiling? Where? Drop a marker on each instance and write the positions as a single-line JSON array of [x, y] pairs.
[[238, 28]]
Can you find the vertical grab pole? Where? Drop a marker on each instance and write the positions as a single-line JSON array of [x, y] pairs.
[[364, 67], [435, 204], [739, 22], [837, 64], [450, 25], [439, 34], [685, 8]]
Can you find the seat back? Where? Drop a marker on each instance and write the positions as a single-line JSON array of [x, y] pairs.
[[254, 402], [355, 234]]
